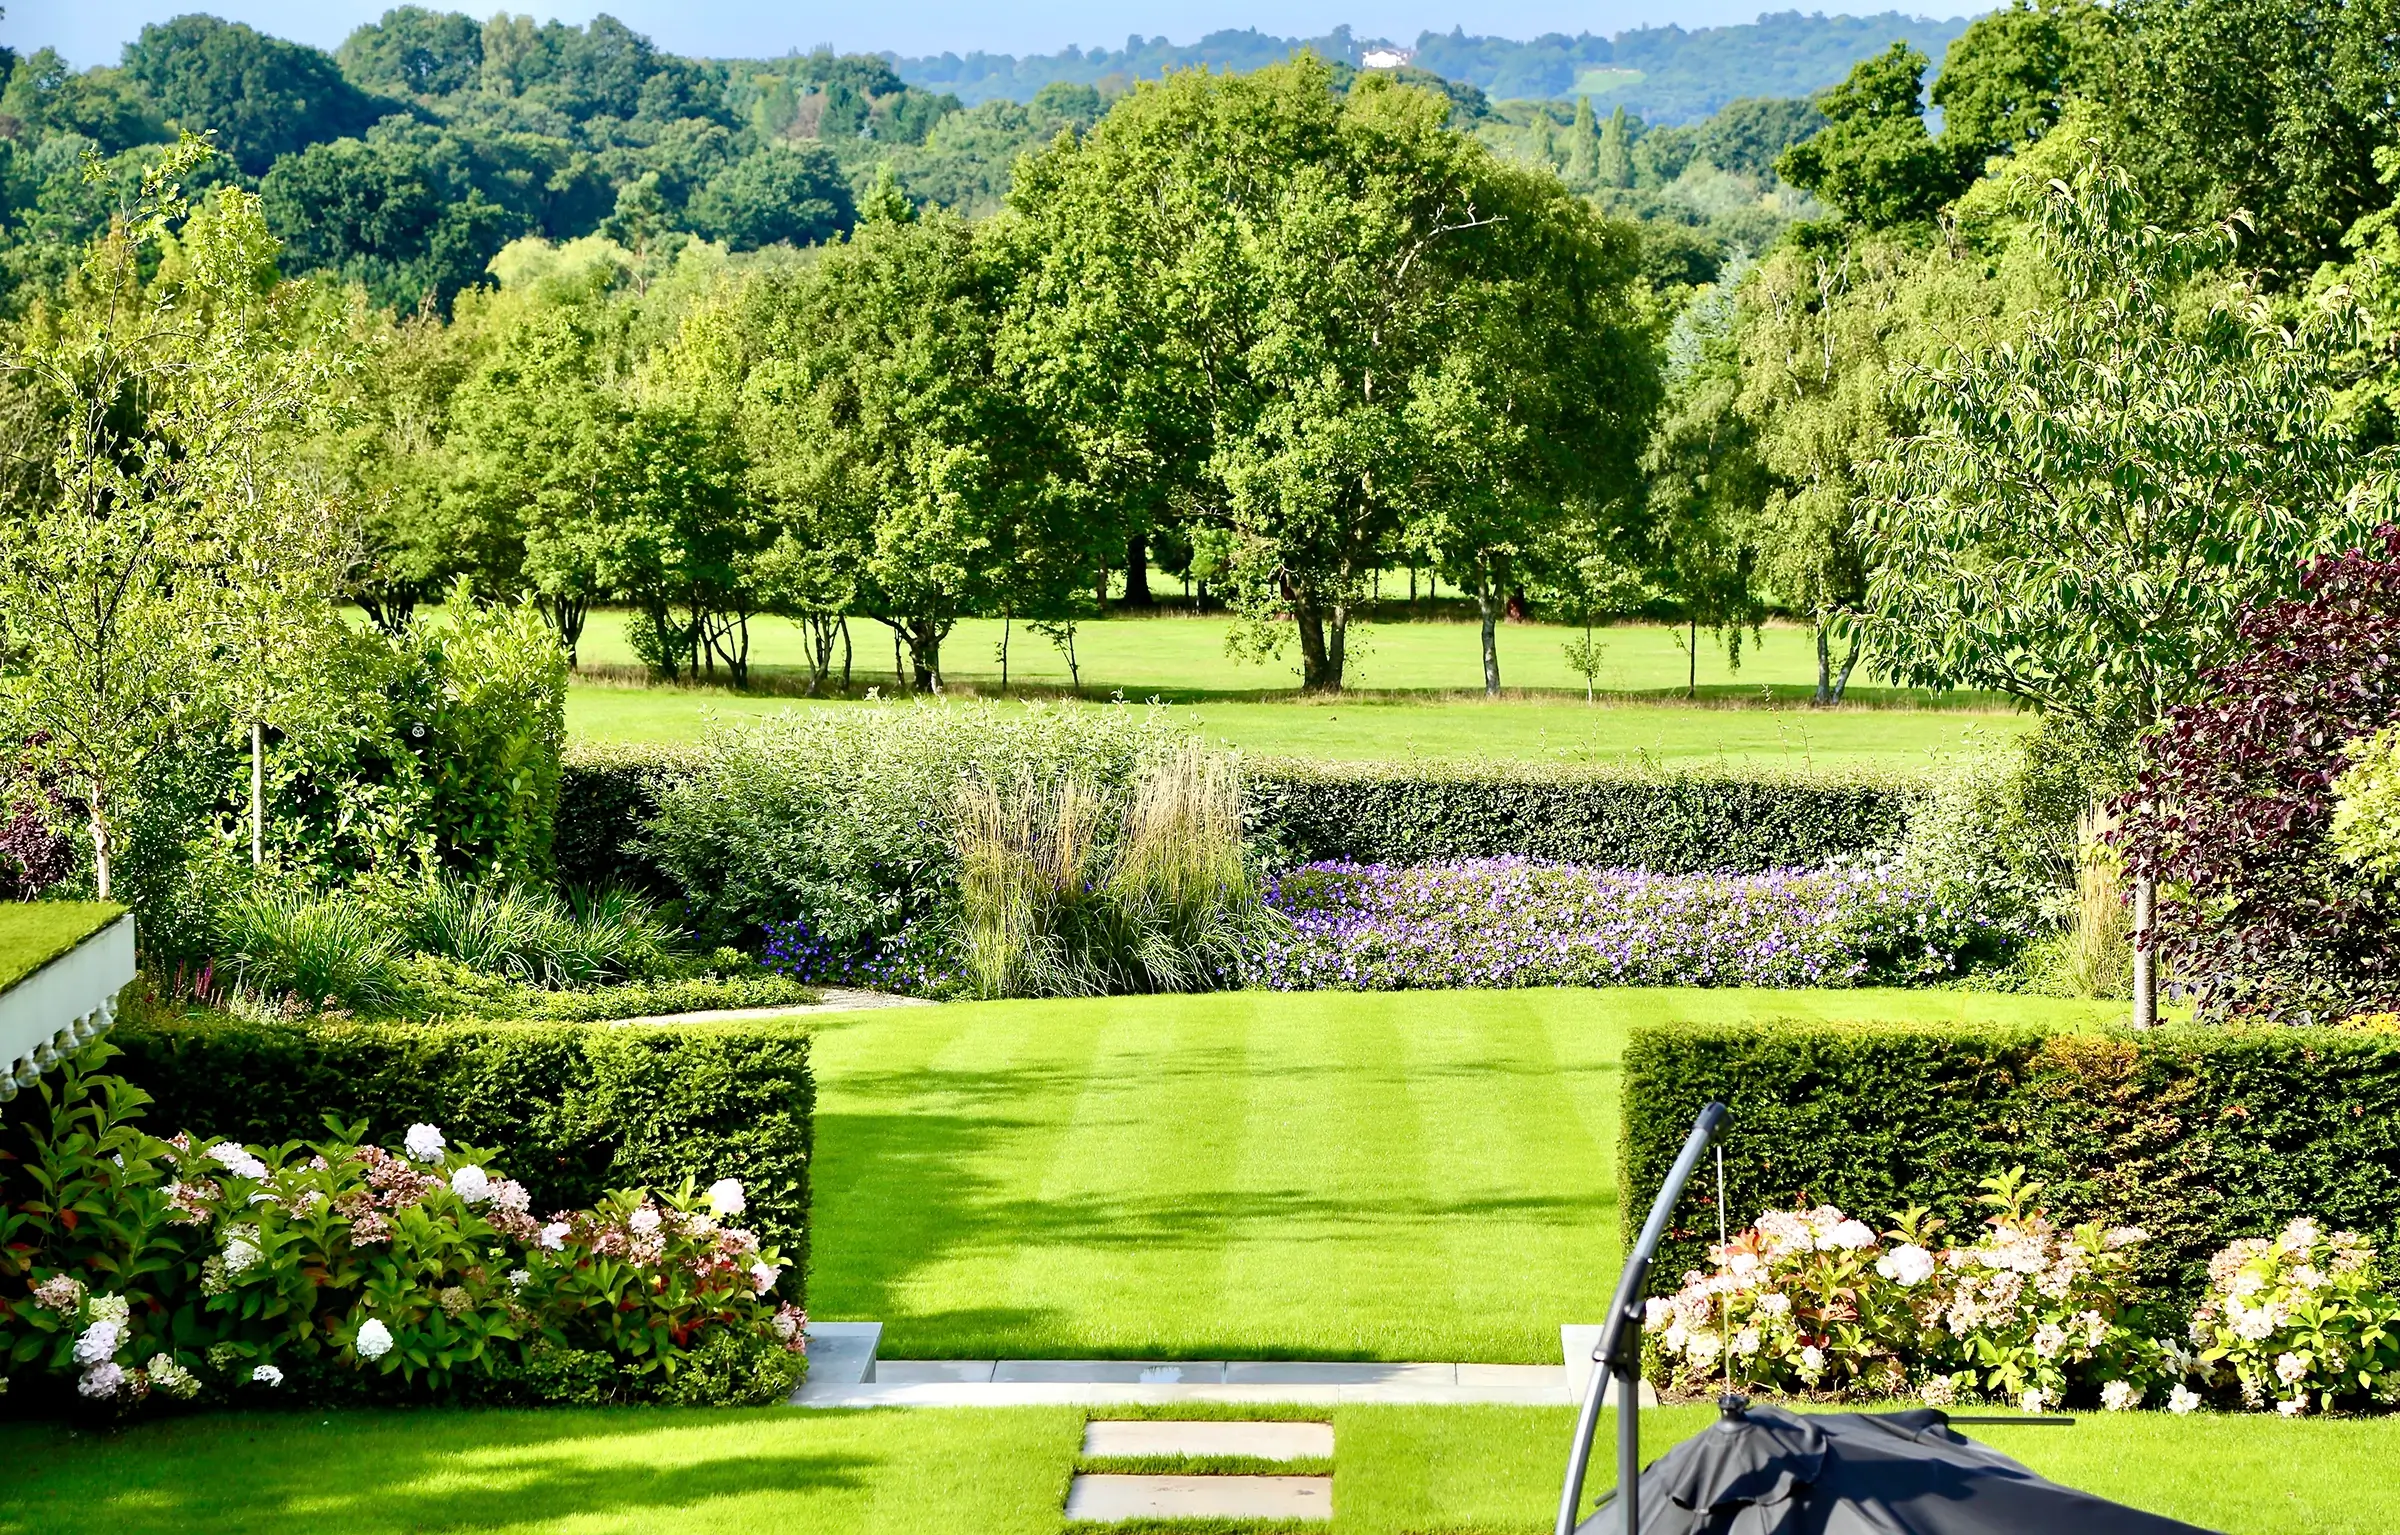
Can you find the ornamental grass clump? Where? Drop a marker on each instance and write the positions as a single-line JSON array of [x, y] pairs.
[[1065, 890], [1516, 922], [339, 1269], [2298, 1320]]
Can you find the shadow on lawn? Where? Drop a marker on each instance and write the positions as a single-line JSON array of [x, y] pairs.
[[365, 1473]]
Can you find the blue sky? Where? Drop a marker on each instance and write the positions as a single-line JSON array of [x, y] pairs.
[[92, 31]]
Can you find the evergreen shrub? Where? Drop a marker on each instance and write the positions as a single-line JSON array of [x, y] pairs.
[[2200, 1137], [1635, 817], [583, 1108]]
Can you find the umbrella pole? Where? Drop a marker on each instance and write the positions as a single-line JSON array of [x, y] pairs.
[[1619, 1356]]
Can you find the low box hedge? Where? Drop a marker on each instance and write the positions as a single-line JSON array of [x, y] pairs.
[[573, 1109], [2198, 1136], [606, 794], [1676, 822]]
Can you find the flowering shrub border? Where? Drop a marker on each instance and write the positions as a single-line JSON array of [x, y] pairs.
[[2197, 1136], [1813, 1302], [1512, 922], [184, 1268]]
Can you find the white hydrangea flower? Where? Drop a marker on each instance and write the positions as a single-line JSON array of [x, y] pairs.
[[471, 1183], [2292, 1407], [643, 1222], [1775, 1303], [2183, 1399], [237, 1160], [509, 1194], [2033, 1399], [99, 1343], [241, 1249], [1703, 1349], [1657, 1311], [425, 1143], [554, 1235], [102, 1381], [110, 1308], [763, 1276], [1812, 1362], [2291, 1369], [1938, 1391], [1745, 1343], [2120, 1396], [725, 1198], [2048, 1339], [1851, 1235], [518, 1279], [374, 1339], [1907, 1265], [171, 1378], [267, 1375]]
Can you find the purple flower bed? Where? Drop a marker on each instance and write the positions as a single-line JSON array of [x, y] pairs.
[[1513, 922]]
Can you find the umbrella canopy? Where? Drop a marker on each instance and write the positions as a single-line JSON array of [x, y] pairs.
[[1763, 1471]]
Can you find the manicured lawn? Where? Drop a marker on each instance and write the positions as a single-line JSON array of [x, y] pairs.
[[1468, 1470], [1400, 729], [1418, 1175], [33, 933]]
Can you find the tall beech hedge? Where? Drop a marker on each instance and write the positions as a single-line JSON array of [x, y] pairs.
[[2199, 1136], [1628, 817], [573, 1109]]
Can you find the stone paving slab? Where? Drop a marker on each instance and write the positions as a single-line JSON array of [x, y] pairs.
[[1113, 1498], [842, 1353], [1277, 1372], [831, 999], [925, 1372], [1257, 1440], [1133, 1372]]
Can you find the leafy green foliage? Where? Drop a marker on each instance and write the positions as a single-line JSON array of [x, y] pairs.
[[1664, 821], [260, 96], [842, 820], [586, 1108], [2197, 1136], [1875, 161], [2085, 512]]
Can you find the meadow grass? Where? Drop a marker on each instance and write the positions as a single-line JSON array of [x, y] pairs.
[[1398, 1176], [787, 1471]]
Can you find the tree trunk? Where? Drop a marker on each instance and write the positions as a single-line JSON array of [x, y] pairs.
[[1137, 571], [1691, 687], [925, 654], [1824, 693], [1320, 663], [103, 852], [899, 668], [567, 615], [845, 652], [2145, 952], [1008, 621], [1487, 605], [258, 794], [1841, 681]]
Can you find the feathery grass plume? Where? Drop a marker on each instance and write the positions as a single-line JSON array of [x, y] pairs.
[[2097, 958], [1188, 897], [1025, 870]]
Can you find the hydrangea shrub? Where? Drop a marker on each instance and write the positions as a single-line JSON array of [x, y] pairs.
[[183, 1268], [2299, 1320]]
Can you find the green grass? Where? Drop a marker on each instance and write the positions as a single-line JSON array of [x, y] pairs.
[[1414, 1175], [1184, 657], [33, 933], [1469, 1470], [1387, 729], [1417, 693]]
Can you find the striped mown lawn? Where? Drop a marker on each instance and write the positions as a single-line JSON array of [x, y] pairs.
[[1416, 1175]]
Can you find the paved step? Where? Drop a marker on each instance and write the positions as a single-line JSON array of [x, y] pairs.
[[1111, 1498], [842, 1353], [1257, 1440]]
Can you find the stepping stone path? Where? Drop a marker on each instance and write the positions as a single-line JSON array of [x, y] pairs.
[[1111, 1497]]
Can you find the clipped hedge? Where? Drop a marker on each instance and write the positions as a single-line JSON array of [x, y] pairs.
[[606, 794], [2198, 1136], [1677, 822], [574, 1108]]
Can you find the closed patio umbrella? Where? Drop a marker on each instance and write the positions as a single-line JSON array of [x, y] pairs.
[[1764, 1471]]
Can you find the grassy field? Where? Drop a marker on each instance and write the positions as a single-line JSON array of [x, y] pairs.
[[1184, 657], [1388, 729], [1417, 1175], [1462, 1470]]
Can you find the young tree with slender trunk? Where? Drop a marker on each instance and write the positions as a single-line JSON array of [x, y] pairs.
[[2085, 513]]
